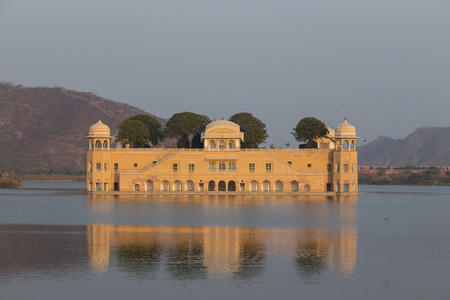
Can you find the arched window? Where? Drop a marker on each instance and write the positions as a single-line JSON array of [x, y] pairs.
[[91, 146], [105, 144], [307, 188], [136, 187], [222, 145], [352, 145], [231, 145], [90, 166], [212, 145], [98, 144]]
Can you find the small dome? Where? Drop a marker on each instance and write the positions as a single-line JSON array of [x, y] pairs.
[[223, 129], [345, 130], [99, 129]]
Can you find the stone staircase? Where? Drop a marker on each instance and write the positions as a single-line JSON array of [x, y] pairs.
[[283, 162], [162, 160]]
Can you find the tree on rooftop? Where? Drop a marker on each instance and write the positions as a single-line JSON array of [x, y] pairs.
[[135, 132], [308, 130], [254, 129], [153, 125], [182, 126]]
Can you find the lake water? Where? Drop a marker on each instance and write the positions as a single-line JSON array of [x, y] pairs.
[[389, 242]]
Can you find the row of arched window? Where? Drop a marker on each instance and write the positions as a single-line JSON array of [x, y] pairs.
[[346, 145], [222, 145], [99, 144]]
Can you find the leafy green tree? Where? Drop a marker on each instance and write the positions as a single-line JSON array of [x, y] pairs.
[[254, 129], [183, 125], [308, 130], [153, 125], [135, 132]]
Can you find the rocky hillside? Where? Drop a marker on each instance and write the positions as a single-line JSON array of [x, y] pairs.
[[47, 127], [424, 147]]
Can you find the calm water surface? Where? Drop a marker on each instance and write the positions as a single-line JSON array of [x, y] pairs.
[[389, 242]]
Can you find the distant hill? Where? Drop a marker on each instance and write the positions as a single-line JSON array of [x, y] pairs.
[[47, 127], [424, 147]]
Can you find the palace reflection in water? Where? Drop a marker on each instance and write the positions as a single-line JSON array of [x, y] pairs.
[[310, 236], [196, 252]]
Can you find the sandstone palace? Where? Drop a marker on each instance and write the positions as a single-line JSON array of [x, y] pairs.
[[222, 166]]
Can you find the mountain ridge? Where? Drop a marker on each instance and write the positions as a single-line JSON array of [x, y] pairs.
[[43, 127], [426, 146]]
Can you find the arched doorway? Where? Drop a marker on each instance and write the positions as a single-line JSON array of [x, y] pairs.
[[278, 186], [231, 186], [254, 186], [266, 186], [345, 144], [136, 187], [149, 185], [222, 187], [294, 186], [189, 185], [212, 186], [165, 186], [177, 186]]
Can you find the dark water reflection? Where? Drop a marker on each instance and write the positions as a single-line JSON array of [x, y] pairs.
[[55, 242], [181, 253]]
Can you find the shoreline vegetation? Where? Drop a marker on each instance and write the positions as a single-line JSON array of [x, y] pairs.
[[9, 179], [404, 175]]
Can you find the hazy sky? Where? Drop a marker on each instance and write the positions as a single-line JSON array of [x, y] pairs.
[[386, 61]]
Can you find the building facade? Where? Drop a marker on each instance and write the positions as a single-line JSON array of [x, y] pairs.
[[222, 165]]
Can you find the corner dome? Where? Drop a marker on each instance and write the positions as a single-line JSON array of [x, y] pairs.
[[345, 130], [100, 130]]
